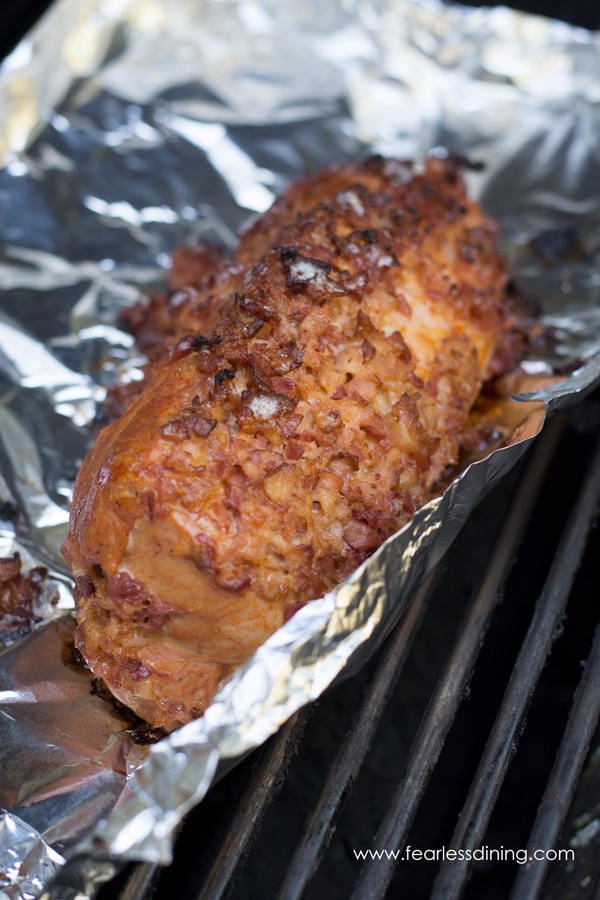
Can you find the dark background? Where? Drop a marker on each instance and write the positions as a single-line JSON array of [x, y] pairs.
[[17, 16]]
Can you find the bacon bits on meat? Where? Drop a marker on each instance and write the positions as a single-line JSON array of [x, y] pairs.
[[18, 595], [268, 456]]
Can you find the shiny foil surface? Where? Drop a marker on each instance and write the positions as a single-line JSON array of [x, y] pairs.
[[130, 127]]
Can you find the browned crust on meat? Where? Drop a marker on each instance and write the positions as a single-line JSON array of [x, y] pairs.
[[19, 592], [268, 458]]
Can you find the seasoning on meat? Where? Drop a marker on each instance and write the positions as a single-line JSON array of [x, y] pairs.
[[18, 595], [300, 424]]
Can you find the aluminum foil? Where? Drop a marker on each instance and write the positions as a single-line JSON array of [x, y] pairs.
[[129, 127]]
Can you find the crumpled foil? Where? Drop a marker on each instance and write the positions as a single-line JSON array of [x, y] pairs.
[[129, 127]]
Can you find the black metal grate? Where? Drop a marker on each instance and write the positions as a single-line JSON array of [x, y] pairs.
[[484, 628]]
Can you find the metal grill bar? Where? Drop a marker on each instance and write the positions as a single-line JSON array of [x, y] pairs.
[[504, 737], [560, 789], [140, 881], [259, 795], [377, 874], [353, 750]]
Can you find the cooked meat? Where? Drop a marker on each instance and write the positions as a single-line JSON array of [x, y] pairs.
[[18, 594], [202, 280], [268, 456]]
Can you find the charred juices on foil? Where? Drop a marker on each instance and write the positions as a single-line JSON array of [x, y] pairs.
[[19, 592], [305, 399]]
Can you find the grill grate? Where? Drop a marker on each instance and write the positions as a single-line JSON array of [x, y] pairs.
[[452, 684], [504, 737], [561, 785], [296, 854]]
